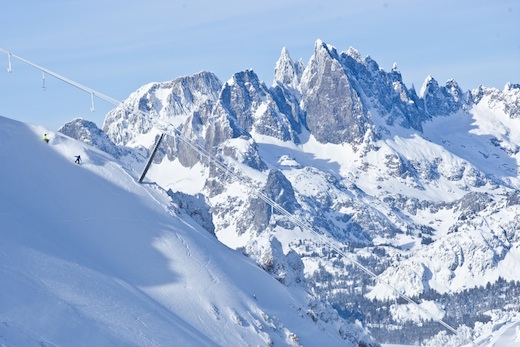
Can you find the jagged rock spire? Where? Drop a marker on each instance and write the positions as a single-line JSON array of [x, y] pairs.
[[334, 109], [286, 72], [441, 101]]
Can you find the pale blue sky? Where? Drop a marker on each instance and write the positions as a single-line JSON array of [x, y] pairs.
[[115, 47]]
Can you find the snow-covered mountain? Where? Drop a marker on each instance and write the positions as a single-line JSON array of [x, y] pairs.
[[89, 257], [422, 189]]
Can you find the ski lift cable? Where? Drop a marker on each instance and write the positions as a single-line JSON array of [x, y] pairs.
[[62, 78], [226, 167]]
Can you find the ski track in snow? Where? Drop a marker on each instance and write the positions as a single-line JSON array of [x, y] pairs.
[[185, 245], [204, 265]]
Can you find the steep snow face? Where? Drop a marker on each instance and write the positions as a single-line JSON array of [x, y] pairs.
[[483, 238], [496, 116], [90, 257]]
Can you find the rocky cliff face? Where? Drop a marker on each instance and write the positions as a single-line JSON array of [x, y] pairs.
[[88, 132], [334, 111], [422, 188]]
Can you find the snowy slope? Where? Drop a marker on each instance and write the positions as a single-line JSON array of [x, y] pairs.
[[89, 258], [504, 335]]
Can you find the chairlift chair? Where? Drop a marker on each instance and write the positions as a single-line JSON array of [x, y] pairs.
[[92, 109], [9, 67]]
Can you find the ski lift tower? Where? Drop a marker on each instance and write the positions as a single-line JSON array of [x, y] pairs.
[[151, 158]]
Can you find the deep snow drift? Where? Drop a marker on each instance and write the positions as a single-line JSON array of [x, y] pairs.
[[88, 257]]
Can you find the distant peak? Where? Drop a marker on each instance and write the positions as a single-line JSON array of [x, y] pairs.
[[321, 48], [429, 79], [241, 77], [286, 71], [429, 83], [354, 53], [79, 122], [320, 45], [452, 84], [284, 57], [510, 86]]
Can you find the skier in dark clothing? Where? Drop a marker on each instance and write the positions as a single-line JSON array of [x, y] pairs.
[[45, 138], [78, 159]]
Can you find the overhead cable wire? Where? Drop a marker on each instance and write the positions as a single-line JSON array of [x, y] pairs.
[[62, 78]]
